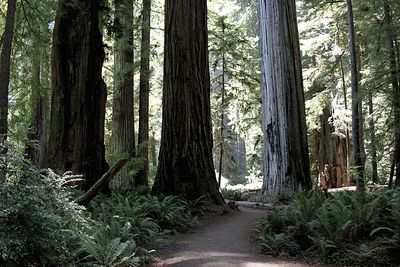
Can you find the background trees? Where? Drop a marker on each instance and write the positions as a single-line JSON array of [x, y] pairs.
[[233, 31]]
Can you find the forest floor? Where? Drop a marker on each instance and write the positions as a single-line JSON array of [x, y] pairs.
[[221, 241]]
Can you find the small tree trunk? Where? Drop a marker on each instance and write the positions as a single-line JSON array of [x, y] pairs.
[[222, 119], [285, 135], [36, 147], [356, 123], [123, 132], [143, 138], [395, 86], [153, 150], [373, 139], [348, 151], [5, 58]]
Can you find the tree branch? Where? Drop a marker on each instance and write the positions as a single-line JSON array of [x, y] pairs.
[[105, 179]]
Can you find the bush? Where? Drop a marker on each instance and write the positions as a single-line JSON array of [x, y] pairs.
[[347, 228], [232, 194], [135, 222], [39, 225]]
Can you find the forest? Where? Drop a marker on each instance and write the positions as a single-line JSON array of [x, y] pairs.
[[199, 133]]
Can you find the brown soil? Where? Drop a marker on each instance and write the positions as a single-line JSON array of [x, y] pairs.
[[223, 241]]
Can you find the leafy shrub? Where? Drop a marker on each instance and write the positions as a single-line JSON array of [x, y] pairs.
[[39, 224], [137, 222], [232, 194], [347, 228], [102, 248]]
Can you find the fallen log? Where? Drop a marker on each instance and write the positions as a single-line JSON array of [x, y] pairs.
[[98, 186]]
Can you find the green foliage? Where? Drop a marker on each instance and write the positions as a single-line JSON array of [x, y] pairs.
[[347, 228], [103, 249], [232, 194], [127, 226], [39, 225]]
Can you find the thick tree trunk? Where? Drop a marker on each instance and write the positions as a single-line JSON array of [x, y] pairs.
[[76, 139], [143, 139], [123, 132], [286, 163], [5, 58], [374, 159], [36, 147], [185, 161], [395, 86], [356, 123]]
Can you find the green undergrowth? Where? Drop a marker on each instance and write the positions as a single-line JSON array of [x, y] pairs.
[[346, 229], [40, 225]]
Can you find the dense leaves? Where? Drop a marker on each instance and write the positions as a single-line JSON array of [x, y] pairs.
[[346, 228]]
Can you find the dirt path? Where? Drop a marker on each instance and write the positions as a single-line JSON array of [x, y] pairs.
[[223, 242]]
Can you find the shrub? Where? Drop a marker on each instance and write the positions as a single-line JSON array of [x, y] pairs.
[[346, 228], [232, 194], [39, 224]]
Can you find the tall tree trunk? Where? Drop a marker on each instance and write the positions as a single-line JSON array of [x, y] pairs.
[[222, 116], [395, 86], [186, 162], [123, 132], [286, 162], [373, 139], [76, 139], [5, 58], [356, 123], [143, 138], [36, 148]]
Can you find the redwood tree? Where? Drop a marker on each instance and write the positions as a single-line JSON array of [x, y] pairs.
[[356, 121], [123, 132], [286, 159], [76, 140], [143, 138], [395, 87], [5, 57], [186, 164]]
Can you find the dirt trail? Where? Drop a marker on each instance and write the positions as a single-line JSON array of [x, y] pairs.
[[223, 242]]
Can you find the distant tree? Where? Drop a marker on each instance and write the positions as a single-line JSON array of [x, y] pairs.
[[123, 131], [286, 159], [356, 122], [37, 133], [394, 76], [143, 138], [185, 161], [76, 140], [5, 58]]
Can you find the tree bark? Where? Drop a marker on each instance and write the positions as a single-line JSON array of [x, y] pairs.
[[222, 116], [76, 139], [123, 132], [37, 137], [286, 157], [143, 138], [348, 150], [395, 87], [185, 161], [374, 159], [356, 123], [5, 58]]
